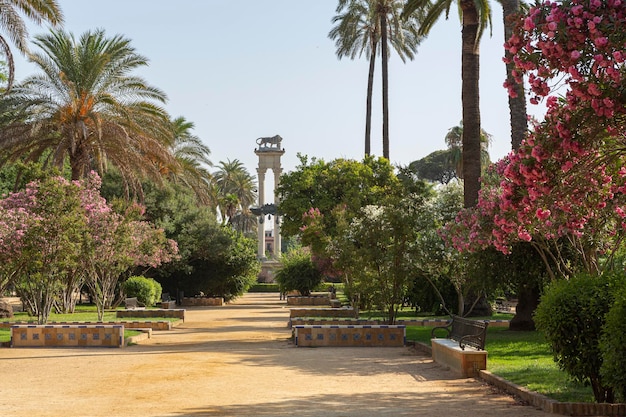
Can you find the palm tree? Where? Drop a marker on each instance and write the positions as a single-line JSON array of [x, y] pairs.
[[475, 16], [86, 109], [517, 103], [362, 25], [12, 24], [236, 189], [192, 160], [454, 140]]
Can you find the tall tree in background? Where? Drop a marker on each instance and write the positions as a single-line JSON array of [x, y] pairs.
[[475, 17], [13, 26], [363, 25], [517, 98], [454, 140], [86, 108], [192, 157], [236, 189]]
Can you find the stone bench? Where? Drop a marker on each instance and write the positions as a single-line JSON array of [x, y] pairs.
[[168, 305], [350, 336], [202, 301], [310, 300], [177, 313], [323, 312], [464, 362], [54, 335]]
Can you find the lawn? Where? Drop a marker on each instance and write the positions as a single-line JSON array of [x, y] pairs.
[[82, 313], [525, 359]]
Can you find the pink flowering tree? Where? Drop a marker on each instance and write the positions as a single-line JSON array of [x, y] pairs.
[[115, 243], [41, 230], [567, 182]]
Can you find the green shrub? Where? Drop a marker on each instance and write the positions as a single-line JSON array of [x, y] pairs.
[[571, 315], [612, 345], [158, 290], [298, 273], [147, 290], [264, 287]]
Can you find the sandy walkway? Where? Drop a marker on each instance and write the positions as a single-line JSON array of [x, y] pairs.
[[237, 360]]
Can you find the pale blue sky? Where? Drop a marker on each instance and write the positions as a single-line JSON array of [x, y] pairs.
[[243, 69]]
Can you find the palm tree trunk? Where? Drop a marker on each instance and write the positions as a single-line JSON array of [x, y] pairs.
[[470, 71], [370, 88], [385, 60], [517, 105]]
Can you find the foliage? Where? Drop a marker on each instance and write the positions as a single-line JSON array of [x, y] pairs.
[[192, 157], [84, 106], [236, 192], [13, 24], [437, 166], [118, 242], [146, 290], [298, 273], [612, 345], [41, 230], [571, 315], [377, 250], [331, 187], [213, 259], [57, 235], [369, 26], [564, 187]]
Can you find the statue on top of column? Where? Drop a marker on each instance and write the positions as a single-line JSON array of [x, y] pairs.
[[269, 143]]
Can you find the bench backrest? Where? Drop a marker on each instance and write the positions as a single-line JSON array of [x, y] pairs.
[[469, 332], [131, 303]]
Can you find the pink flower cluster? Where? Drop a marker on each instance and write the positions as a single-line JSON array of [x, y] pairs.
[[568, 179]]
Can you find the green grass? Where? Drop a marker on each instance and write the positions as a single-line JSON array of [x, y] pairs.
[[82, 312], [525, 359], [411, 314]]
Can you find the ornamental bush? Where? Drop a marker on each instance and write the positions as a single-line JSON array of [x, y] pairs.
[[298, 273], [571, 315], [146, 290], [612, 346]]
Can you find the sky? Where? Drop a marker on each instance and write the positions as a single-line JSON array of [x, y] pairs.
[[244, 69]]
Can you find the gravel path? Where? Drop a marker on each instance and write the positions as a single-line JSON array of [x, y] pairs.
[[237, 360]]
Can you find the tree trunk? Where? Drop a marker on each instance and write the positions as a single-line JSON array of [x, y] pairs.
[[385, 60], [527, 301], [470, 71], [370, 88], [517, 105]]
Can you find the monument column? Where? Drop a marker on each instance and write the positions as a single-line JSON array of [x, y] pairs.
[[261, 224], [269, 153]]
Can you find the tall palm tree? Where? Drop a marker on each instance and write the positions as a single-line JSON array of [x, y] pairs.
[[12, 24], [192, 160], [363, 25], [475, 17], [86, 108], [236, 189], [517, 104]]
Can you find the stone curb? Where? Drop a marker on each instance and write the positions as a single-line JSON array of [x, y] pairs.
[[541, 401]]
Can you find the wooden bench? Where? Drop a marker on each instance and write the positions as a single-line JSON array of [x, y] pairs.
[[451, 351]]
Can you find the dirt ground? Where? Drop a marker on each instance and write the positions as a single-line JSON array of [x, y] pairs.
[[237, 360]]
